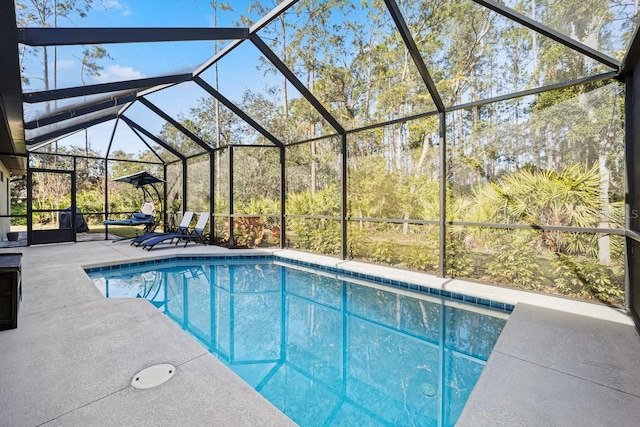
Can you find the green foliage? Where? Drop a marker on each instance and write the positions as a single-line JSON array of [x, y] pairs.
[[543, 197], [420, 257], [358, 240], [256, 175], [323, 202], [320, 236], [569, 197], [373, 189], [459, 261], [515, 263], [381, 252], [258, 205], [91, 201], [316, 235], [584, 277]]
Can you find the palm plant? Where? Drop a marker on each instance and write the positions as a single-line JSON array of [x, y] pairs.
[[569, 198]]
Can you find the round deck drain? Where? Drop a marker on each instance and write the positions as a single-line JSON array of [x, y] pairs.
[[153, 376]]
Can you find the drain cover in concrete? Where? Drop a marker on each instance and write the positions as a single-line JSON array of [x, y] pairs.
[[153, 376]]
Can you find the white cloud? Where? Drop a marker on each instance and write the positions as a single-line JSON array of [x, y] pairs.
[[116, 5], [65, 64], [114, 73]]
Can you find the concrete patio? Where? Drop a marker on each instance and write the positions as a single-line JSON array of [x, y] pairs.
[[551, 368], [74, 353], [71, 359]]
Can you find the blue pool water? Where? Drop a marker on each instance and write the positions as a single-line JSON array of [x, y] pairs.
[[323, 348]]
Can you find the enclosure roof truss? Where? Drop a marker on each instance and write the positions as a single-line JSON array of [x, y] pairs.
[[81, 110], [75, 36], [127, 93], [277, 62], [410, 44], [231, 106], [548, 32], [135, 126], [50, 136], [175, 123], [144, 141], [73, 92]]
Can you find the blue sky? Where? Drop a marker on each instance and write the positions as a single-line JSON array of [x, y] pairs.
[[238, 71], [139, 60], [144, 60]]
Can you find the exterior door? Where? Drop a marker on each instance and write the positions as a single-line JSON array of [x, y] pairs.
[[51, 202]]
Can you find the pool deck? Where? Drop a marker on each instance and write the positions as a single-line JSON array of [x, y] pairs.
[[551, 368], [71, 359]]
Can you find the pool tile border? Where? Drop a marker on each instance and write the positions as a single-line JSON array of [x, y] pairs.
[[483, 302]]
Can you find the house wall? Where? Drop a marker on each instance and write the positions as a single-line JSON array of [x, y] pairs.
[[5, 201]]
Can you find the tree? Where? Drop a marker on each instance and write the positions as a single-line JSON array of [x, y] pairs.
[[277, 32], [89, 60], [45, 13], [587, 126], [568, 198], [216, 5]]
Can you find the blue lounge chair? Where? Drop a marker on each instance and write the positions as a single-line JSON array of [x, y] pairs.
[[194, 235], [146, 217], [183, 228]]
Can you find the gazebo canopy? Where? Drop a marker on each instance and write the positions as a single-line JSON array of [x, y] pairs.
[[139, 179]]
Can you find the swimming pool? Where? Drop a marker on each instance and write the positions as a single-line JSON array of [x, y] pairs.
[[324, 346]]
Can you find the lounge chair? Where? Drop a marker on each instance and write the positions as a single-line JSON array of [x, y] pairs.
[[146, 217], [194, 235], [183, 228]]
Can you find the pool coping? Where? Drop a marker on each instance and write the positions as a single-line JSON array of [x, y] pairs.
[[392, 283], [443, 287]]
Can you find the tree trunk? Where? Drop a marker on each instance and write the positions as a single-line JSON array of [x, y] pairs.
[[534, 42], [45, 77], [314, 164], [412, 190], [538, 151], [604, 241], [314, 168]]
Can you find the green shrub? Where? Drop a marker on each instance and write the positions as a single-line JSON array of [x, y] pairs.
[[515, 263], [381, 252], [315, 235], [359, 240], [320, 236], [459, 262], [421, 257], [586, 278]]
